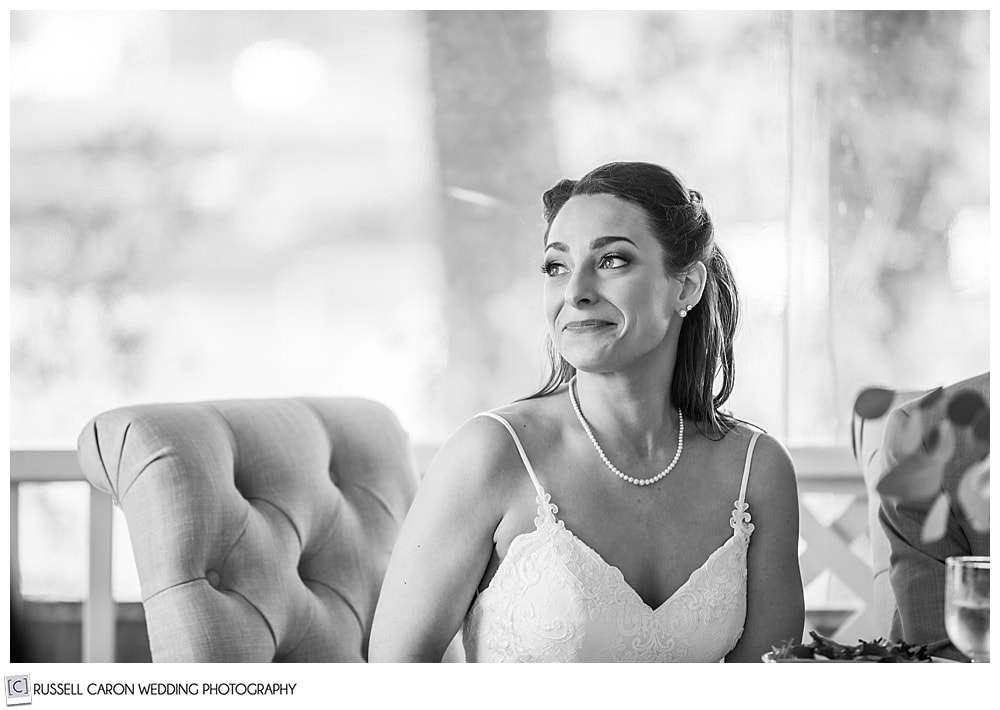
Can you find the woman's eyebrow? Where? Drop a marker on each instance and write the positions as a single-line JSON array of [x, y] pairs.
[[596, 244], [604, 241]]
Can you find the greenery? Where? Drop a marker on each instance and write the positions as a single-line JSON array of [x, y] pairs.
[[169, 241], [876, 651]]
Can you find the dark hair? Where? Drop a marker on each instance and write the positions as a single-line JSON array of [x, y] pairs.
[[679, 221]]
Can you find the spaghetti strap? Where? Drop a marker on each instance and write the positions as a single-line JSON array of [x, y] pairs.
[[520, 449], [746, 467]]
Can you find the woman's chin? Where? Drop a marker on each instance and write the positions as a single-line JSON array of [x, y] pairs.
[[590, 362], [598, 362]]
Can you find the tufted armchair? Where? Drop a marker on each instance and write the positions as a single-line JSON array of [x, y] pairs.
[[261, 528], [866, 442]]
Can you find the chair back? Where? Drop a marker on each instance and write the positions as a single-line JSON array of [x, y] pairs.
[[867, 438], [261, 529]]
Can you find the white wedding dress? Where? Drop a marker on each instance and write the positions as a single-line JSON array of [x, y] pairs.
[[553, 598]]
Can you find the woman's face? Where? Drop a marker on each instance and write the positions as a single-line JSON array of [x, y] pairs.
[[608, 300]]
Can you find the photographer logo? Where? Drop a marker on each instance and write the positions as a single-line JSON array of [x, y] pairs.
[[18, 689]]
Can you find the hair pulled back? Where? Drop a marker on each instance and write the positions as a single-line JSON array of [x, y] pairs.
[[679, 221]]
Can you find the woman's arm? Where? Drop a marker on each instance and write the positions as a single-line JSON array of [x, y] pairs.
[[443, 548], [775, 607]]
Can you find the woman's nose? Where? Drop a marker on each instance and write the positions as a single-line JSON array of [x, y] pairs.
[[580, 288]]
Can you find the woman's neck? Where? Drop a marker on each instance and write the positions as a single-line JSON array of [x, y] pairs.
[[630, 412]]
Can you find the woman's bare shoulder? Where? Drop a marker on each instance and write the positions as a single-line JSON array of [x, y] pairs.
[[766, 448], [772, 472], [483, 454], [479, 447], [772, 454], [770, 462]]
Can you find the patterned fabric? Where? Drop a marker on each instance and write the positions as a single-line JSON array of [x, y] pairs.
[[916, 568], [554, 598]]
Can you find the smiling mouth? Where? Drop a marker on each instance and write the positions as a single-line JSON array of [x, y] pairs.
[[583, 326]]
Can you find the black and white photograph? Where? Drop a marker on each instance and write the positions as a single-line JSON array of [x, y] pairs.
[[479, 336]]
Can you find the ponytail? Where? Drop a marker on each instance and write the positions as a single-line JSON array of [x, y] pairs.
[[705, 349]]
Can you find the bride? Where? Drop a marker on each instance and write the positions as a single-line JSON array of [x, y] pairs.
[[607, 517]]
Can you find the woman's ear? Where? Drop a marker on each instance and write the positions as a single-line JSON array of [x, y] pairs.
[[693, 285]]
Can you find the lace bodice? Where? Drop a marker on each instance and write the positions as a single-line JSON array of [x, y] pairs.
[[554, 598]]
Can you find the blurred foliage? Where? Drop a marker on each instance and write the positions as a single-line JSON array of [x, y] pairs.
[[908, 153], [495, 154], [169, 241]]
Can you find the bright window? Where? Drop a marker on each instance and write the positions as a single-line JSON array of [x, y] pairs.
[[257, 204]]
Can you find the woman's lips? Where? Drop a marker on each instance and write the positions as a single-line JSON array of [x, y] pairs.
[[586, 326]]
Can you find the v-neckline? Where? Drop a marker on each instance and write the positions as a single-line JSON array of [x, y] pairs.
[[621, 575], [547, 511]]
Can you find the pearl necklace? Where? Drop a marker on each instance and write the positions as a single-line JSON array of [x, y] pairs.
[[604, 458]]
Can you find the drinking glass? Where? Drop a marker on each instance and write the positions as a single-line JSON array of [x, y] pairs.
[[967, 606]]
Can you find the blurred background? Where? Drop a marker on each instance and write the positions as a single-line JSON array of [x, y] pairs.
[[216, 205]]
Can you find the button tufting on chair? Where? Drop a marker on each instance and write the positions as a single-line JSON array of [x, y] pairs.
[[295, 503]]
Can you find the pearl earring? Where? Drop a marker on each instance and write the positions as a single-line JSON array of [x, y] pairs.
[[684, 311]]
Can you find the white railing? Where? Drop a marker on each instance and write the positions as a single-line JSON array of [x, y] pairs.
[[841, 545], [98, 607], [828, 546]]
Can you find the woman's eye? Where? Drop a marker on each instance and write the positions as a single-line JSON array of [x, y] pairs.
[[553, 268], [613, 261]]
